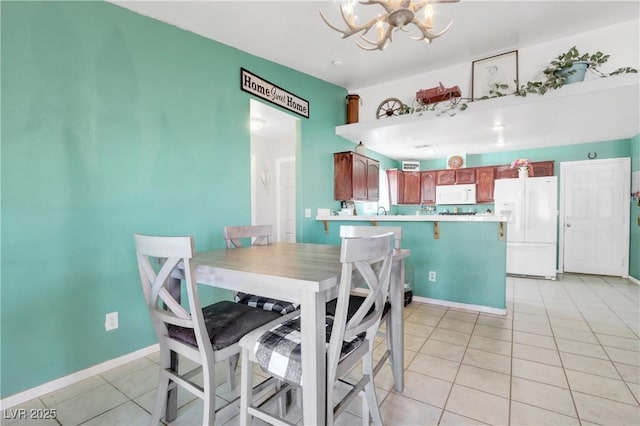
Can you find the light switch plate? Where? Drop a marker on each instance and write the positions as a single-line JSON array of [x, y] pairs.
[[307, 212]]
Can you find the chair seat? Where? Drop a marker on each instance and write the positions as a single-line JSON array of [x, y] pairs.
[[226, 323], [354, 303], [267, 304], [278, 349]]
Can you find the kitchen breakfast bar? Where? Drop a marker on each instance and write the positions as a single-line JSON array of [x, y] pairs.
[[456, 260]]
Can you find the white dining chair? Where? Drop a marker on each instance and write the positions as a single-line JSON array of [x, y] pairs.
[[204, 335], [277, 349], [256, 235], [350, 231]]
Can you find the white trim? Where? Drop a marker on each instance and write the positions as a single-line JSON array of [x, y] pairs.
[[62, 382], [634, 280], [458, 305]]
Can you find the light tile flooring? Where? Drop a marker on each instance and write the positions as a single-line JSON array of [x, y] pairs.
[[567, 353]]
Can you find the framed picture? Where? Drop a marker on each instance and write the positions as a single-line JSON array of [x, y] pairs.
[[498, 69]]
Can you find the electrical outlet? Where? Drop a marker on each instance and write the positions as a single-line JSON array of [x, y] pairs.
[[432, 275], [111, 321]]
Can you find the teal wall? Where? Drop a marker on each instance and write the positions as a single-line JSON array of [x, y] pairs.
[[634, 244], [113, 123], [469, 259]]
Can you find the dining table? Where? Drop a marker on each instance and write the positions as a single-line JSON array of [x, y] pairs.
[[307, 274]]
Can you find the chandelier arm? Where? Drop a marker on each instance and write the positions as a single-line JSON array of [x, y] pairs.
[[386, 4], [427, 32], [380, 43], [351, 29]]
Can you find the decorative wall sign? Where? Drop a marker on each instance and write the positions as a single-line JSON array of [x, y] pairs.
[[255, 85], [499, 69]]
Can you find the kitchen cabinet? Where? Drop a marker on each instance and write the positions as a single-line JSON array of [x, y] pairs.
[[404, 187], [428, 187], [455, 176], [536, 169], [485, 179], [355, 177]]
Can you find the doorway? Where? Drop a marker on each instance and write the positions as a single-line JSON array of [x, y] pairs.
[[594, 216], [273, 170]]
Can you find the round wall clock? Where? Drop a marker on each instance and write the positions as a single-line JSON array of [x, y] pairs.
[[455, 162]]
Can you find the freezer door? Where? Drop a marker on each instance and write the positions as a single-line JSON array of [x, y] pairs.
[[508, 195], [537, 260], [541, 210]]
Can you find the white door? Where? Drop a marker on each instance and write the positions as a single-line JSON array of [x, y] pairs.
[[594, 215], [286, 200]]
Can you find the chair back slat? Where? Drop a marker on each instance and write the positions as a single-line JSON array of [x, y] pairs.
[[261, 235], [350, 231]]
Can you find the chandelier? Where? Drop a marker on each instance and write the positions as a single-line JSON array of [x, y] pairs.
[[399, 13]]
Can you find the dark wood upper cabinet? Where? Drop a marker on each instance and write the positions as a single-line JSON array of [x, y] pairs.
[[466, 175], [411, 189], [485, 180], [355, 177], [428, 186], [537, 169], [541, 168], [446, 177]]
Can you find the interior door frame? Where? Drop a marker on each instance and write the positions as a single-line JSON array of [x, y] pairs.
[[626, 211]]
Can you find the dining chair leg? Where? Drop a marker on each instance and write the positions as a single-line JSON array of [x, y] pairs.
[[246, 387], [160, 405], [389, 332], [370, 390], [209, 379], [230, 367]]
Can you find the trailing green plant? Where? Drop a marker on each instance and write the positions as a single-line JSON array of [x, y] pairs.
[[557, 72]]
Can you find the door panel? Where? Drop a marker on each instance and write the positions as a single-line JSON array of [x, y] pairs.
[[595, 216]]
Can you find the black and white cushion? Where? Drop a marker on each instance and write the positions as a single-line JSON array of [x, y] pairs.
[[267, 304], [278, 350]]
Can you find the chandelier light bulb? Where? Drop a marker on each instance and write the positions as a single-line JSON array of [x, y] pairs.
[[428, 16]]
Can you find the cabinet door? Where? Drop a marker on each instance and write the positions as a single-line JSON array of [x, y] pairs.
[[541, 168], [342, 176], [411, 188], [393, 176], [359, 177], [485, 181], [373, 180], [445, 177], [428, 186], [506, 172], [466, 175]]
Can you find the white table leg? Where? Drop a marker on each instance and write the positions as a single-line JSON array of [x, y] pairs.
[[313, 313], [396, 297]]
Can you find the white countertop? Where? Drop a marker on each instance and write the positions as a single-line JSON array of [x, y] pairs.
[[417, 218]]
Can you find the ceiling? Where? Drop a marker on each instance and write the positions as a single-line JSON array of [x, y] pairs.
[[292, 33]]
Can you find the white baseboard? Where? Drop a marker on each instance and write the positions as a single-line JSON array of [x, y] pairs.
[[62, 382], [458, 305], [633, 280]]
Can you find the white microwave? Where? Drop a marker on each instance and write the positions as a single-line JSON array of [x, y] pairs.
[[456, 194]]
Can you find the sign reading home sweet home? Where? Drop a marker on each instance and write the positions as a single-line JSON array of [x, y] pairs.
[[255, 85]]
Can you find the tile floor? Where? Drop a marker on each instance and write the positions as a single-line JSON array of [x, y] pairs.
[[567, 353]]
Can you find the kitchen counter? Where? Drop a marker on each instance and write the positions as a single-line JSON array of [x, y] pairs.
[[466, 253], [417, 218]]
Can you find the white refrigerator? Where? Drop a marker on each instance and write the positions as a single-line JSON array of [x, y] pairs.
[[531, 206]]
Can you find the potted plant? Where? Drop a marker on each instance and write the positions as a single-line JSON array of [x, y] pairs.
[[570, 67]]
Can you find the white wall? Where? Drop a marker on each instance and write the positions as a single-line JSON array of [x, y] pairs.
[[621, 41]]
